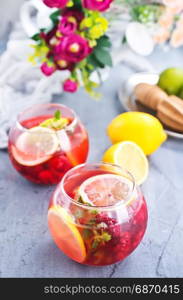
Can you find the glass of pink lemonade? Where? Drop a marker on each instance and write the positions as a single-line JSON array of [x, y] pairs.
[[97, 215], [46, 141]]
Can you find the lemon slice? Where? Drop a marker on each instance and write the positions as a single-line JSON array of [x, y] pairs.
[[35, 146], [105, 190], [65, 234], [129, 156]]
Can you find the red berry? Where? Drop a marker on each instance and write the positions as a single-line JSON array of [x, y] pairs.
[[46, 177], [104, 218], [60, 163]]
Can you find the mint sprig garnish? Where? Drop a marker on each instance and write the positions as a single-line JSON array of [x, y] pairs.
[[57, 115], [80, 200], [100, 239], [56, 123]]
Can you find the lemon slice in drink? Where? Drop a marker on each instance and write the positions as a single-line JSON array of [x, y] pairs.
[[65, 234], [129, 156], [105, 190], [35, 146]]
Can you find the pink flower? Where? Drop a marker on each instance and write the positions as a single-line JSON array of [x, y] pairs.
[[62, 64], [67, 26], [99, 5], [70, 86], [73, 48], [48, 70], [56, 3]]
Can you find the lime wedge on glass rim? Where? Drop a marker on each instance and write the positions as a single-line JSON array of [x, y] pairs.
[[56, 123]]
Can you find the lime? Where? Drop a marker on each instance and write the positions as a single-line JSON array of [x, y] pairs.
[[181, 93], [171, 80]]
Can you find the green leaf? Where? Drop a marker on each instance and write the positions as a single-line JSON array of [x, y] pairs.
[[103, 57], [104, 42], [80, 200], [124, 40], [36, 37], [92, 60], [57, 115], [94, 211], [54, 16]]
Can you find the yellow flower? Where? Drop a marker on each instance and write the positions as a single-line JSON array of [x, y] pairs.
[[96, 32], [40, 52], [86, 23], [70, 3], [104, 23], [92, 43]]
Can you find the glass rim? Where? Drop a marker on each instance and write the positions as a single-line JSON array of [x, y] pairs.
[[66, 128], [105, 207]]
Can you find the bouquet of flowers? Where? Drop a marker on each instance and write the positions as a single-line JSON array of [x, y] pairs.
[[75, 42], [162, 20]]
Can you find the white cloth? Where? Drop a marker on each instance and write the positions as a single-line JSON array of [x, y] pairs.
[[21, 84]]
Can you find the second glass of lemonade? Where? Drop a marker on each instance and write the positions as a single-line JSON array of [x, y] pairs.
[[97, 215]]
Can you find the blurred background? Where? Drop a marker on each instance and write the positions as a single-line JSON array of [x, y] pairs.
[[7, 19]]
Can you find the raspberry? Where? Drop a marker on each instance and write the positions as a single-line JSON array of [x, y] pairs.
[[103, 218], [112, 228], [34, 171], [60, 163], [46, 177]]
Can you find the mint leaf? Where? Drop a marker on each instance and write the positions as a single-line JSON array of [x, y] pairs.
[[103, 56], [57, 115], [80, 200], [87, 233], [106, 237], [95, 244], [94, 212]]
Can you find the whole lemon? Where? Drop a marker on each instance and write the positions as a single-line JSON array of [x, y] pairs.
[[142, 128], [171, 80]]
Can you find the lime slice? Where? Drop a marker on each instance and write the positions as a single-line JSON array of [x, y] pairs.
[[35, 146], [65, 234], [105, 189]]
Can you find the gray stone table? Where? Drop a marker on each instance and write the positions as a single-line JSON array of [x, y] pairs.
[[26, 249]]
